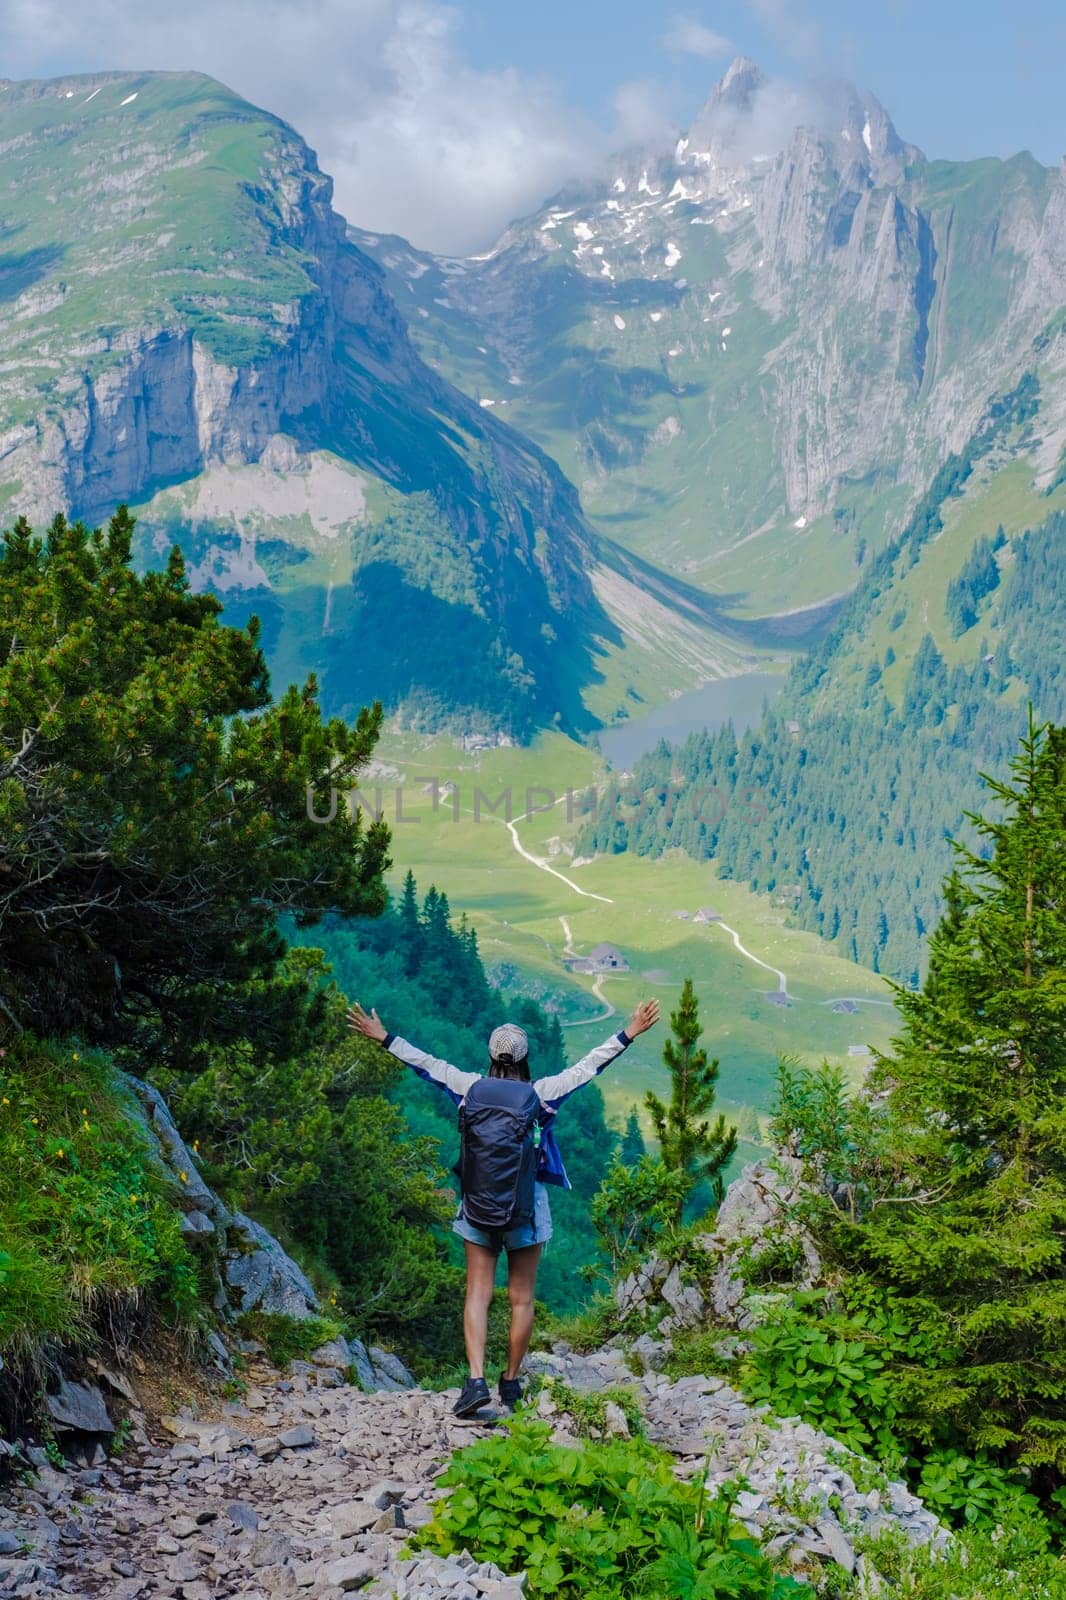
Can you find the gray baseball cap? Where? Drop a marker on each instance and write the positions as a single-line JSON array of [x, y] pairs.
[[508, 1040]]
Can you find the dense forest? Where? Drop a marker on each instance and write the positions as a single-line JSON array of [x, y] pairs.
[[782, 806]]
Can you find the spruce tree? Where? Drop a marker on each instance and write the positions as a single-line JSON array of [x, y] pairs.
[[410, 927], [633, 1146], [972, 1227], [689, 1142]]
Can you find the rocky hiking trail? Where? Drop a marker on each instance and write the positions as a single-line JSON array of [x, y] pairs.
[[311, 1487]]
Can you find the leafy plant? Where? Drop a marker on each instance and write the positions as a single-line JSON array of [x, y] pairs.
[[602, 1522], [963, 1489], [121, 1436], [289, 1339], [838, 1368], [635, 1208]]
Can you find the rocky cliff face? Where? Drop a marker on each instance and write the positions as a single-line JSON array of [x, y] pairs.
[[753, 350], [182, 305]]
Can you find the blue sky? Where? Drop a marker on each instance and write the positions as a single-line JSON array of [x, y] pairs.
[[959, 78], [443, 119]]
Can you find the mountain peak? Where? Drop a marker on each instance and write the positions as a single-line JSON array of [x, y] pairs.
[[731, 104], [741, 67], [741, 83]]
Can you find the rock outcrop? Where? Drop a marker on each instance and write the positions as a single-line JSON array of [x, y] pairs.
[[815, 300], [759, 1213]]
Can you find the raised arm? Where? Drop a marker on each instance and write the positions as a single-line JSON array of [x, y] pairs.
[[554, 1090], [453, 1081]]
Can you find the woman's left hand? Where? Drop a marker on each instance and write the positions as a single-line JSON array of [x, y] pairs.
[[370, 1025], [645, 1016]]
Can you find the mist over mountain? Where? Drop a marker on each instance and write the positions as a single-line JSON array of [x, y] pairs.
[[752, 351]]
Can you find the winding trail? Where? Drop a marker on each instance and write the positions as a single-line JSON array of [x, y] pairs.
[[538, 861], [587, 894], [782, 981], [597, 988]]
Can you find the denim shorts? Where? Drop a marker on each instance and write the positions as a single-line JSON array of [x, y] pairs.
[[514, 1238]]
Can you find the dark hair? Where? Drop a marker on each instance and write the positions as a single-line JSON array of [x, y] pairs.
[[508, 1067]]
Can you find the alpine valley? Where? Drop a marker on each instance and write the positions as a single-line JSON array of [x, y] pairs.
[[393, 646], [783, 390]]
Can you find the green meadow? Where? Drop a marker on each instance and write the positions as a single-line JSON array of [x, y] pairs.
[[527, 918]]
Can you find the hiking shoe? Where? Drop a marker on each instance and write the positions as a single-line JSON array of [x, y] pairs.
[[475, 1395], [510, 1391]]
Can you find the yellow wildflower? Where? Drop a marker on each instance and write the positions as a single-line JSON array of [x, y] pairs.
[[184, 1176], [59, 1153]]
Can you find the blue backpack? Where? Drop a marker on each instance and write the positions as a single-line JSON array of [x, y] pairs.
[[499, 1123]]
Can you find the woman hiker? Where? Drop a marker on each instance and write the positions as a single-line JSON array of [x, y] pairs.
[[508, 1147]]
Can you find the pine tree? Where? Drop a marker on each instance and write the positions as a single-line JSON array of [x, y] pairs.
[[159, 813], [410, 928], [689, 1142], [973, 1228], [633, 1146]]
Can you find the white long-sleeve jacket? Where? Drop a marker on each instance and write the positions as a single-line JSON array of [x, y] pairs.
[[552, 1091]]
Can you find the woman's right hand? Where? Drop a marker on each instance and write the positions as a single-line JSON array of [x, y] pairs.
[[369, 1025]]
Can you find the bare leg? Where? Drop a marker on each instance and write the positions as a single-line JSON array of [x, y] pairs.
[[521, 1283], [480, 1282]]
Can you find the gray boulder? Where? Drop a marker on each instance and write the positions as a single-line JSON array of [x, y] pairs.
[[389, 1370], [79, 1408], [759, 1210], [264, 1276], [359, 1359], [687, 1305]]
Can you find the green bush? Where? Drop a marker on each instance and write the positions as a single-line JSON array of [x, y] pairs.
[[602, 1522], [839, 1369], [289, 1338], [635, 1209], [85, 1218], [1003, 1564], [966, 1490]]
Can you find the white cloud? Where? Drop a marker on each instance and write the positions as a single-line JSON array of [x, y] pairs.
[[688, 37], [418, 141]]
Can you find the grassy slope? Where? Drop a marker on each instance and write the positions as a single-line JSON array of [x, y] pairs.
[[516, 910], [110, 186], [1000, 495]]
